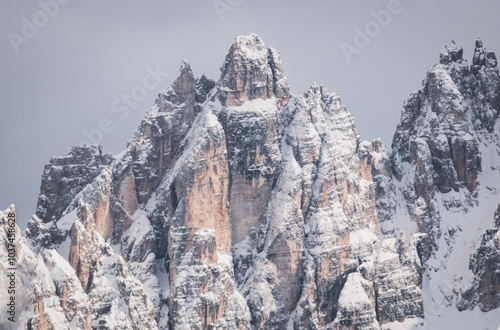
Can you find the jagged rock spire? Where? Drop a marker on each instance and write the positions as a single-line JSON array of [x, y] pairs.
[[486, 86], [483, 57], [181, 91], [247, 218], [451, 53], [251, 70]]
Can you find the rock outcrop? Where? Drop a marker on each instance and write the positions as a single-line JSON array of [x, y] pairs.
[[64, 177], [238, 205]]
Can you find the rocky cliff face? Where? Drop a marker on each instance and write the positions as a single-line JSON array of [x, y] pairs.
[[238, 205], [444, 164]]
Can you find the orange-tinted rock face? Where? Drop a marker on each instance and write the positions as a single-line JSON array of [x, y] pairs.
[[207, 195], [203, 187], [238, 205], [126, 193], [84, 253], [252, 169], [41, 320], [103, 217], [94, 225], [200, 232]]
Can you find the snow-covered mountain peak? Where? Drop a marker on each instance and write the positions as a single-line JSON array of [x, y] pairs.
[[237, 205], [185, 65], [451, 53], [250, 46], [251, 70]]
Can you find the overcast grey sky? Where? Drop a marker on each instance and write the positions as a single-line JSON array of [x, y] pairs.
[[64, 70]]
